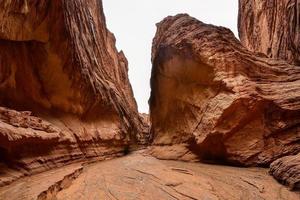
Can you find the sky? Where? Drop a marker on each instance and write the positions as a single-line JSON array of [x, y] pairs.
[[133, 24]]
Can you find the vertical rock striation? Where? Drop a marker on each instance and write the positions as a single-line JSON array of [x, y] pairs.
[[59, 61], [271, 27]]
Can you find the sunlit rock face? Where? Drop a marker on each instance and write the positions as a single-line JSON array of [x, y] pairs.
[[213, 98], [271, 27], [59, 61]]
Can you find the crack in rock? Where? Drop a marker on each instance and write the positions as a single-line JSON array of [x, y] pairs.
[[65, 183]]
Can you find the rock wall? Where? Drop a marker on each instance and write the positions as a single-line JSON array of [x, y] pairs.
[[271, 27], [287, 171], [59, 61], [214, 98]]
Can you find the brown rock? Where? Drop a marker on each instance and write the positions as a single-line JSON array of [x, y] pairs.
[[144, 137], [221, 100], [287, 170], [271, 27], [58, 60]]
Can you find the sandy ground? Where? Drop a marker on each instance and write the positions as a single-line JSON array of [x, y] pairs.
[[138, 176]]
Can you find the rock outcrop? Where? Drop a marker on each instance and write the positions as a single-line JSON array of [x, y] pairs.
[[271, 27], [59, 62], [213, 97], [287, 171]]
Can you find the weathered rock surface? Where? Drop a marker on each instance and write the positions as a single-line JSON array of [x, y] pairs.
[[59, 61], [287, 171], [218, 100], [139, 176], [144, 137], [271, 27]]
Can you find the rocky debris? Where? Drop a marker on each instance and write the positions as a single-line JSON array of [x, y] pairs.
[[222, 101], [271, 27], [138, 176], [287, 171], [59, 61]]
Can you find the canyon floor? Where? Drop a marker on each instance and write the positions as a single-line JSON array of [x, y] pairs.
[[140, 176]]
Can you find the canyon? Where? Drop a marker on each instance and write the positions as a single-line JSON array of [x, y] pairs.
[[224, 113]]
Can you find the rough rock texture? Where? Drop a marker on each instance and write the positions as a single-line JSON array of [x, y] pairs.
[[138, 177], [144, 137], [217, 99], [39, 186], [58, 61], [287, 170], [271, 27]]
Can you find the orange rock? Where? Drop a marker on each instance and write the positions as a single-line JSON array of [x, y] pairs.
[[271, 27], [144, 177], [224, 102], [287, 171], [59, 61]]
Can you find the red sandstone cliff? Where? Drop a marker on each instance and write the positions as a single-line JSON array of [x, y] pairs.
[[214, 98], [271, 27], [59, 61], [65, 96]]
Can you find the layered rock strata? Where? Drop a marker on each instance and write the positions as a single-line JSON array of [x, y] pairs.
[[59, 62], [213, 97], [287, 171], [273, 28]]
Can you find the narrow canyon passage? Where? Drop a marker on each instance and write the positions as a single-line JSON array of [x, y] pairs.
[[140, 176], [70, 128]]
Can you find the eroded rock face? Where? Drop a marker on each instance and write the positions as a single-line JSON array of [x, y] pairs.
[[287, 171], [59, 61], [213, 97], [144, 137], [271, 27]]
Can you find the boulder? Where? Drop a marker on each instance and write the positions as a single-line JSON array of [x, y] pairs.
[[219, 100]]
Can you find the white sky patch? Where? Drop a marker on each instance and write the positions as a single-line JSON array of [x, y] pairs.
[[133, 24]]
